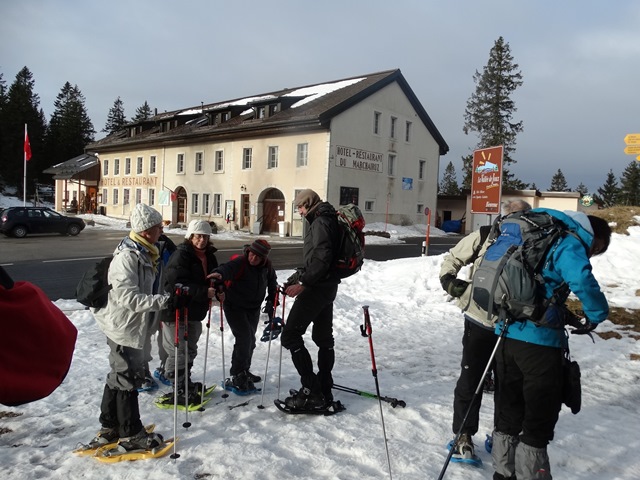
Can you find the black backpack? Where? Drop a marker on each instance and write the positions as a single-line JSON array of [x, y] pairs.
[[508, 279], [93, 289]]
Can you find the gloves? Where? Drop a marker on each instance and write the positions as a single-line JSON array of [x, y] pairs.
[[453, 285], [585, 327], [181, 300], [294, 279]]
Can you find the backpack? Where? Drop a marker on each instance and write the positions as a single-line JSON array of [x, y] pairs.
[[507, 282], [350, 253], [93, 288]]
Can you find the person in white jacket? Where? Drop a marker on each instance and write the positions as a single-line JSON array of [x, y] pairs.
[[124, 320]]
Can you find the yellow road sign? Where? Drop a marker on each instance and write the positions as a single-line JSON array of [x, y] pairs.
[[632, 149], [632, 139]]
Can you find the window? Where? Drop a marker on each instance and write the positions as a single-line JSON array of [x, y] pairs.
[[152, 164], [199, 162], [246, 158], [349, 195], [376, 122], [219, 162], [368, 205], [391, 170], [127, 166], [138, 195], [261, 112], [407, 132], [205, 203], [115, 196], [273, 157], [105, 196], [125, 196], [152, 197], [139, 166], [421, 167], [180, 163], [392, 131], [273, 109], [105, 167], [217, 204], [302, 155], [194, 202], [116, 166], [420, 208]]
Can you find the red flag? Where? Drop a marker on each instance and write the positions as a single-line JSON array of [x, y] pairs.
[[27, 145]]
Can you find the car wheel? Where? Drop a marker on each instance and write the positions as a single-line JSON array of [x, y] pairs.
[[19, 231], [73, 229]]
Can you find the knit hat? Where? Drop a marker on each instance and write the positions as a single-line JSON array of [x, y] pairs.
[[308, 198], [260, 247], [143, 217], [198, 227]]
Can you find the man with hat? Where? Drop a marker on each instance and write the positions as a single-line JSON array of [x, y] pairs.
[[247, 278], [124, 320], [315, 285]]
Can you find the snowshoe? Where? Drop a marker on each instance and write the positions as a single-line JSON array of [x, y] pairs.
[[464, 451], [165, 402], [105, 439]]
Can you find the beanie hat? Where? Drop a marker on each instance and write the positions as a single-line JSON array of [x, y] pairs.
[[143, 217], [260, 247], [308, 198], [198, 227]]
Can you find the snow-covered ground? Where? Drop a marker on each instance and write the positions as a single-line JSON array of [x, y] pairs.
[[416, 340]]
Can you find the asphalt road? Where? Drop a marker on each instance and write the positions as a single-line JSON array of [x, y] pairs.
[[56, 263]]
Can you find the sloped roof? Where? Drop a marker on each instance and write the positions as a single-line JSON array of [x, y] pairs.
[[311, 107], [67, 170]]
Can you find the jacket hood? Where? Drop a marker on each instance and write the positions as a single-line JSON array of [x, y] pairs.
[[576, 222]]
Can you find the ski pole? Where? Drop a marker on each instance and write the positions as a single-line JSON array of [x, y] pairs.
[[224, 394], [266, 366], [393, 401], [176, 343], [284, 297], [366, 331], [473, 399], [206, 350], [187, 423]]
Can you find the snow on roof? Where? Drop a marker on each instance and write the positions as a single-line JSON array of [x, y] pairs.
[[316, 91]]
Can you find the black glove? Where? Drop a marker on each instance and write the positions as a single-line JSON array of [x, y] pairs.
[[453, 285], [585, 327], [179, 299], [294, 279]]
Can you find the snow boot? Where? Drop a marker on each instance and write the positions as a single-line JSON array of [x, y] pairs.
[[305, 399], [140, 441], [104, 437], [464, 448]]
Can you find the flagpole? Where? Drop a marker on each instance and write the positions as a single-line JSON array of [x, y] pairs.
[[24, 185]]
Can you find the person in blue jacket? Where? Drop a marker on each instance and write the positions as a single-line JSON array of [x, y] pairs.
[[529, 361]]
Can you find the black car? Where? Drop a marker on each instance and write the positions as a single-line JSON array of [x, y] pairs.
[[20, 221]]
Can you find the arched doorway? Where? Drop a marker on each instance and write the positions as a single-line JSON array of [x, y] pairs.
[[273, 210], [180, 205]]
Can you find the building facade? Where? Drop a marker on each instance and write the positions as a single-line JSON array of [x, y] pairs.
[[239, 164]]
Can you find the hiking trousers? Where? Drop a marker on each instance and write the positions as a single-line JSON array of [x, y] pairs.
[[477, 345], [243, 323]]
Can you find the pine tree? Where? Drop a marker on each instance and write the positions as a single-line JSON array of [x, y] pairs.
[[115, 119], [559, 183], [143, 112], [582, 189], [630, 185], [70, 128], [489, 111], [449, 184], [21, 106], [608, 193]]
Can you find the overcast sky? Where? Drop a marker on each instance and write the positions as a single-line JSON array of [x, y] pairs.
[[580, 62]]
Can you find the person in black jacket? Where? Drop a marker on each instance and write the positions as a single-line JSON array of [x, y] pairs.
[[247, 277], [315, 285], [189, 265]]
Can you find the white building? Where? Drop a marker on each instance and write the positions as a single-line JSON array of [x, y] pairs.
[[239, 163]]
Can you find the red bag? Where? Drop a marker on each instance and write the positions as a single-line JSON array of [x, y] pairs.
[[37, 344]]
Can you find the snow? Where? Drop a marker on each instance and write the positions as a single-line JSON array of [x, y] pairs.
[[416, 340]]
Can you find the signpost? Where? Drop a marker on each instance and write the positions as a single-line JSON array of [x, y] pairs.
[[632, 142], [425, 244], [486, 180]]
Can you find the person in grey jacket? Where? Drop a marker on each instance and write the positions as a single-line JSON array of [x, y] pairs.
[[315, 285], [124, 321], [478, 339]]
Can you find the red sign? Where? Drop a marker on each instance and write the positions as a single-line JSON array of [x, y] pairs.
[[486, 180]]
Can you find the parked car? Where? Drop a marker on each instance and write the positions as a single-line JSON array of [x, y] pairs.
[[20, 221]]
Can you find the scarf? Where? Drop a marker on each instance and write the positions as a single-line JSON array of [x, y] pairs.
[[154, 252]]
